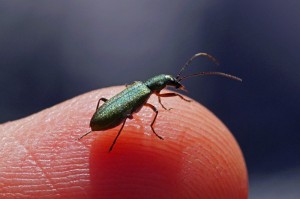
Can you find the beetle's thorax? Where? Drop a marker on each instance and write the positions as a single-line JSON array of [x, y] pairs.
[[159, 82]]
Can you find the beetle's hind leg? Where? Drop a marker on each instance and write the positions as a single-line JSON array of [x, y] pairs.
[[101, 99], [152, 123], [84, 135]]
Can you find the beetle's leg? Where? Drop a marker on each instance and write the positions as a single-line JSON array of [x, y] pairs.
[[84, 135], [169, 95], [115, 140], [103, 99], [172, 95], [159, 100], [156, 113]]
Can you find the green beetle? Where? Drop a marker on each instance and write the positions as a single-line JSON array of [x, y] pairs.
[[120, 107]]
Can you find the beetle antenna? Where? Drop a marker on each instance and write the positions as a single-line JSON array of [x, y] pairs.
[[211, 58], [211, 73]]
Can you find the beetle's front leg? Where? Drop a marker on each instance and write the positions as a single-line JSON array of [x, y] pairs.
[[169, 95]]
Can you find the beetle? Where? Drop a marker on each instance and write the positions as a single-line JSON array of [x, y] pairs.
[[123, 105]]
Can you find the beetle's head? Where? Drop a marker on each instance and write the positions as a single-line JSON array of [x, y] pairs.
[[172, 81], [159, 82]]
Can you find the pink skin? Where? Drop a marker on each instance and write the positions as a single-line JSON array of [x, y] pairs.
[[198, 158]]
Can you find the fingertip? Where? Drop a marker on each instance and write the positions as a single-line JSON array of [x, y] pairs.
[[198, 158]]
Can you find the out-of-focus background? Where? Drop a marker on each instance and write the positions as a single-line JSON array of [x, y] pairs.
[[51, 51]]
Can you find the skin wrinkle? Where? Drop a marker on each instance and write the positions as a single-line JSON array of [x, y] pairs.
[[18, 186], [217, 137], [62, 173], [217, 147], [30, 154], [37, 164], [208, 125], [223, 143]]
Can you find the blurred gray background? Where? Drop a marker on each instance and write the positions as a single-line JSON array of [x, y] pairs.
[[51, 51]]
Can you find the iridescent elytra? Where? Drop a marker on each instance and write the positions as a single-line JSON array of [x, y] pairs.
[[123, 105]]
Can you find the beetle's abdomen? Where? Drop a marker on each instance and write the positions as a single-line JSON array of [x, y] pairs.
[[116, 109]]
